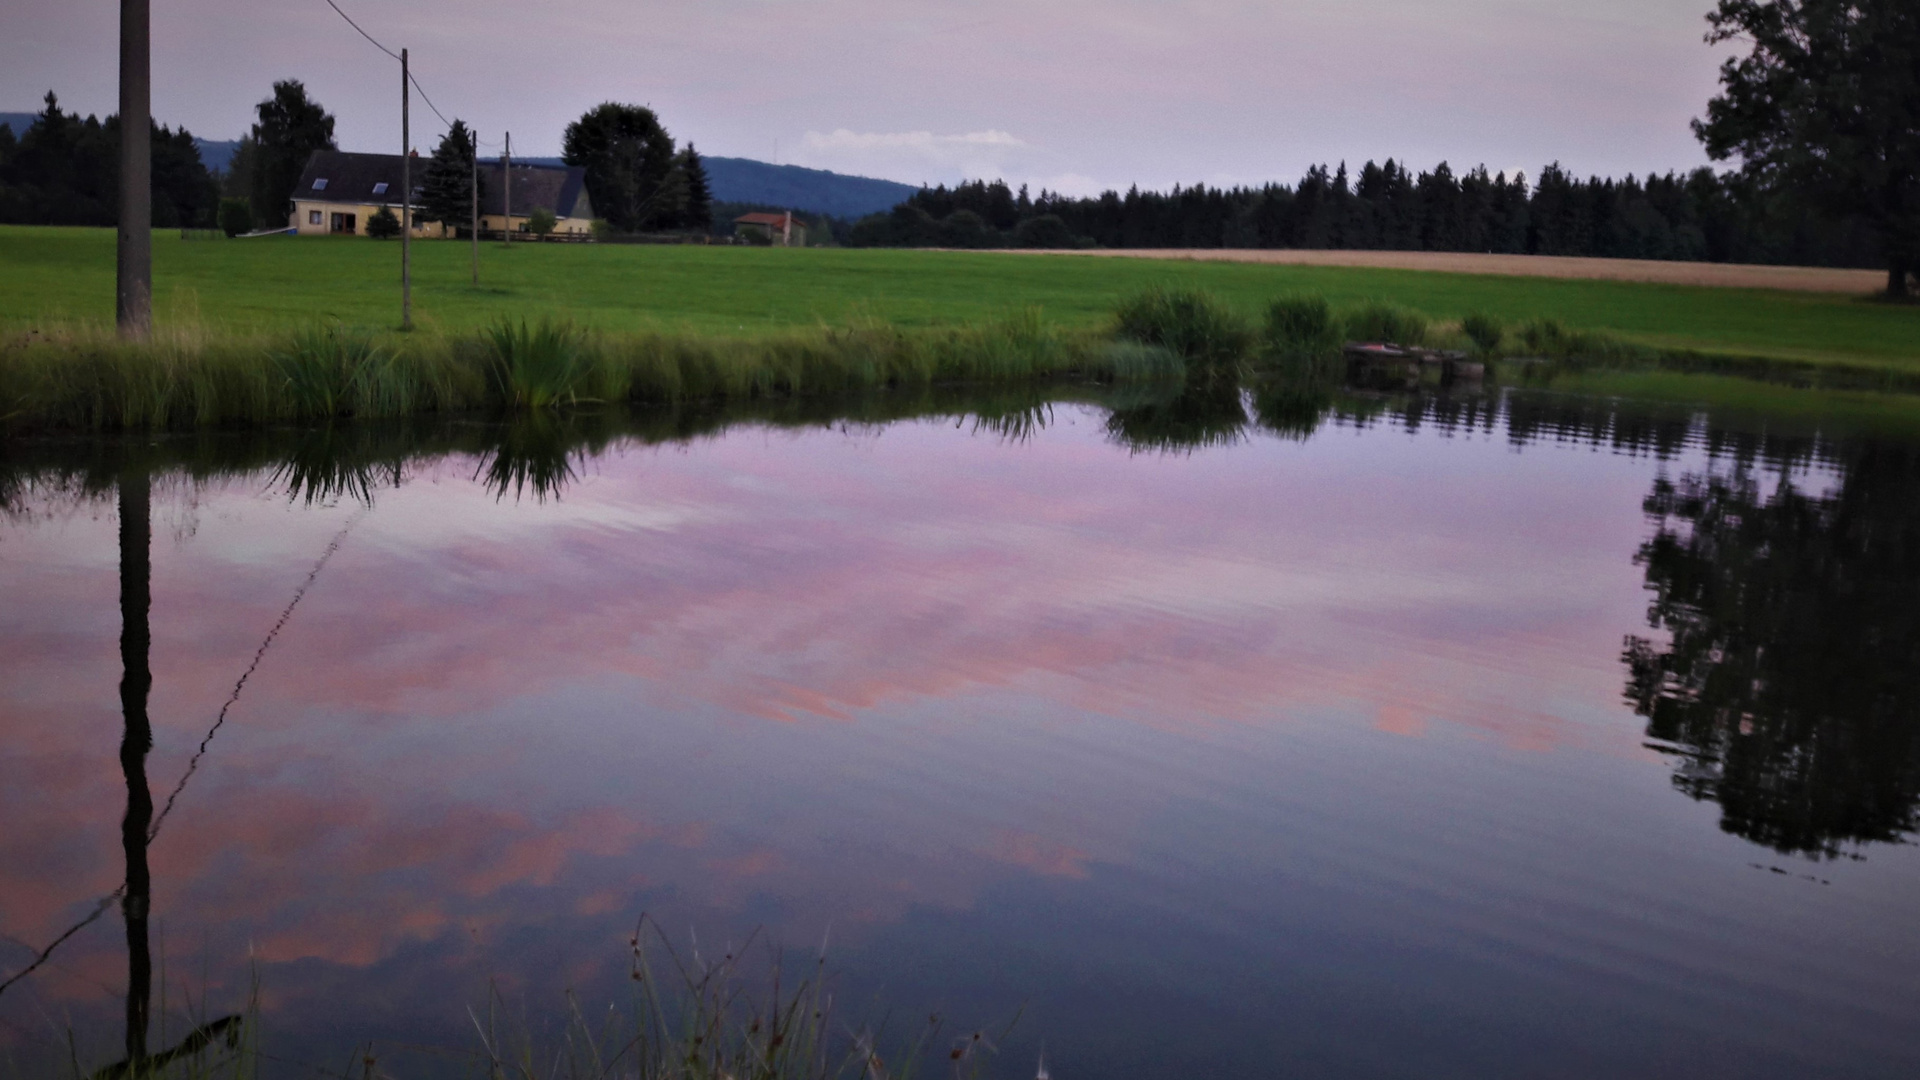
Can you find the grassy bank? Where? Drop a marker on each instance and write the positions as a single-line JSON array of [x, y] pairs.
[[85, 379], [272, 286]]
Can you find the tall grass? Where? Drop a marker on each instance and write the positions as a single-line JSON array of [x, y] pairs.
[[718, 1018], [1486, 332], [84, 378], [1189, 322], [1384, 322], [537, 366], [1302, 325]]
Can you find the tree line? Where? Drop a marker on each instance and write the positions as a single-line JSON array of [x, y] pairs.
[[64, 170], [1701, 215]]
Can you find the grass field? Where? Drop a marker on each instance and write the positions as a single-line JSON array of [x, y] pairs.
[[66, 275]]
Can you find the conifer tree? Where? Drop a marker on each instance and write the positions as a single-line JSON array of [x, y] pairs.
[[697, 200], [448, 195]]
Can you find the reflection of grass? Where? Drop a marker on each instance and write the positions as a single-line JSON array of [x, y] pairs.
[[276, 285], [1836, 412], [718, 1018]]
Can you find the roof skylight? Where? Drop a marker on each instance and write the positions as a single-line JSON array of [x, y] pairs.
[[380, 188], [320, 184]]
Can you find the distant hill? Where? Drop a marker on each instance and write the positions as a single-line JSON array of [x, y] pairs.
[[214, 153], [816, 191]]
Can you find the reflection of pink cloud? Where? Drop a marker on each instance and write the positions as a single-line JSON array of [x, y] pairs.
[[428, 751], [1038, 854]]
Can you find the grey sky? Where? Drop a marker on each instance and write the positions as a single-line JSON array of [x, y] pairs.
[[1071, 94]]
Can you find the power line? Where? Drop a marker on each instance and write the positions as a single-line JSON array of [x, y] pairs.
[[444, 122]]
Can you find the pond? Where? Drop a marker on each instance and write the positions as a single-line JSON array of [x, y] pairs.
[[1225, 735]]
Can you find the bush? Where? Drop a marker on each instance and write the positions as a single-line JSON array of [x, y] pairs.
[[1189, 322], [236, 216], [1485, 331], [541, 222], [382, 224], [1387, 323], [1302, 324], [602, 228]]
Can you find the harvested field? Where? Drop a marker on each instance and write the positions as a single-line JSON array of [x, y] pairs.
[[1717, 275]]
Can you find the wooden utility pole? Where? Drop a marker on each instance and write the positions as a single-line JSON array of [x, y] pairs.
[[133, 254], [473, 161], [506, 191], [406, 203]]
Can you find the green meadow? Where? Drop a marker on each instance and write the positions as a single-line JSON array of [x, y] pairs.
[[65, 276]]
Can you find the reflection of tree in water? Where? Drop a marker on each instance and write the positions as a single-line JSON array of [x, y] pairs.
[[1791, 688]]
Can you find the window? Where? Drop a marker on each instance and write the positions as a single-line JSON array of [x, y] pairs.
[[380, 188], [320, 184], [313, 217]]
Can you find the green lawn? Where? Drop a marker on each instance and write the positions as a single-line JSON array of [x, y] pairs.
[[49, 274]]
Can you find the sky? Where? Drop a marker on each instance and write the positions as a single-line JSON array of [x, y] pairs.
[[1072, 95]]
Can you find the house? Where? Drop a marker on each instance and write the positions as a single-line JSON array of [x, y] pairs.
[[782, 230], [339, 191], [559, 188]]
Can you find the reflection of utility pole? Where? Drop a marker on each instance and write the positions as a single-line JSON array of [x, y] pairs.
[[133, 261], [136, 678]]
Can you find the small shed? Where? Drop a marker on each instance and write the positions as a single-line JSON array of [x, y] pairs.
[[781, 230]]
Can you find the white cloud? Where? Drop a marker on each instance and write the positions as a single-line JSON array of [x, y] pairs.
[[917, 156], [924, 141]]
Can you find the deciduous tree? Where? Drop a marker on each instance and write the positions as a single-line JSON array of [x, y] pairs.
[[628, 157], [1827, 103], [291, 127]]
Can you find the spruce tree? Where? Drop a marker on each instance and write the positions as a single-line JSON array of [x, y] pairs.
[[697, 212], [448, 195]]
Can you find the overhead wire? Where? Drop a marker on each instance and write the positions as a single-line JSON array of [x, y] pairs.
[[411, 77]]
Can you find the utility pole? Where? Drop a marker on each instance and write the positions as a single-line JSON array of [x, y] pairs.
[[473, 162], [506, 191], [406, 203], [133, 254]]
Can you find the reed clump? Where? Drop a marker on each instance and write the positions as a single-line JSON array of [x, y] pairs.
[[1191, 323], [1302, 325], [1549, 339], [85, 378], [1486, 332], [1389, 323]]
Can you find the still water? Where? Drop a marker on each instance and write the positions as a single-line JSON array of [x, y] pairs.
[[1514, 737]]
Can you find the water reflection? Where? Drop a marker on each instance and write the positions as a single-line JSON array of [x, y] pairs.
[[1789, 689], [916, 588]]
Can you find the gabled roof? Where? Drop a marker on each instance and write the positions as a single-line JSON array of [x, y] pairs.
[[777, 221], [559, 188], [336, 176], [353, 178]]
